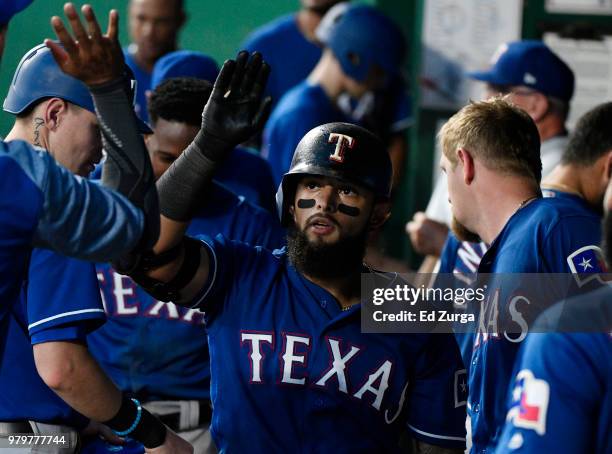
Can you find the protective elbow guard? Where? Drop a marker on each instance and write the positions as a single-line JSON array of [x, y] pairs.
[[168, 291]]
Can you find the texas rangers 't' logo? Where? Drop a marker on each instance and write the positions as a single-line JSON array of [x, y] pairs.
[[342, 142]]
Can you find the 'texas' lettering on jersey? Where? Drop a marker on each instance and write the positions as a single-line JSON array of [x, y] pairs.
[[291, 367], [122, 298]]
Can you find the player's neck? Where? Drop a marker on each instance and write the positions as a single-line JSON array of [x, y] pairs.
[[307, 22], [328, 75], [550, 126], [346, 290], [500, 203], [143, 63], [565, 178], [23, 130]]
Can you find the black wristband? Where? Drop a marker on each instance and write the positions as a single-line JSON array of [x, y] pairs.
[[150, 431], [125, 417]]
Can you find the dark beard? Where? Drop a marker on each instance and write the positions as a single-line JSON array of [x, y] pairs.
[[326, 261], [462, 233], [606, 242]]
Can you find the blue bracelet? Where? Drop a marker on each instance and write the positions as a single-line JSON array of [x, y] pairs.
[[136, 421]]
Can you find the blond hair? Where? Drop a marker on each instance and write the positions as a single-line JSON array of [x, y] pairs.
[[501, 135]]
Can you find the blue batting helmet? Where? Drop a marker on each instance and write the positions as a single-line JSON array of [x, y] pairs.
[[38, 77], [361, 37]]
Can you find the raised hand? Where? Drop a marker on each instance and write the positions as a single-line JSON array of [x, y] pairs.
[[235, 110], [89, 56]]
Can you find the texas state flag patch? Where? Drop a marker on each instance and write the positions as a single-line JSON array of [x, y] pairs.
[[586, 264], [530, 399]]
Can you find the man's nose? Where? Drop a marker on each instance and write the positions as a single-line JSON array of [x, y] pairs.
[[327, 199]]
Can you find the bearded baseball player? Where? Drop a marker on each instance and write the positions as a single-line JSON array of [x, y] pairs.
[[286, 349]]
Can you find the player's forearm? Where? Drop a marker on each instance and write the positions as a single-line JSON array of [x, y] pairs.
[[74, 375], [127, 168]]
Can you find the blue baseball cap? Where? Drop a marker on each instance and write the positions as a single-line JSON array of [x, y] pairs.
[[362, 36], [184, 63], [532, 64], [38, 76], [10, 8]]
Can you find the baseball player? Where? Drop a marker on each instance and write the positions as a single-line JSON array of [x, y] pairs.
[[53, 209], [290, 45], [581, 177], [526, 234], [536, 80], [293, 45], [60, 302], [560, 399], [153, 26], [352, 62], [171, 374], [287, 352], [244, 172], [184, 63]]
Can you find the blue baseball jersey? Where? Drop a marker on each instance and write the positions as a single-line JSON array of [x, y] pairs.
[[44, 205], [561, 396], [247, 174], [549, 235], [176, 365], [143, 83], [301, 109], [60, 301], [286, 358], [290, 55]]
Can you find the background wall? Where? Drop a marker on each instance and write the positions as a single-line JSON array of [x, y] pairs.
[[213, 26]]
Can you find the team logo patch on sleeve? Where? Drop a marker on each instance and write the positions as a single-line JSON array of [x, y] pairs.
[[586, 264], [461, 389], [529, 402]]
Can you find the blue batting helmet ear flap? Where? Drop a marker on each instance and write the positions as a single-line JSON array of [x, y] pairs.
[[38, 77], [338, 150]]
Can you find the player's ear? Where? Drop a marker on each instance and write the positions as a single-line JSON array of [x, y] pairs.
[[467, 161], [537, 106], [380, 214], [607, 167], [54, 113]]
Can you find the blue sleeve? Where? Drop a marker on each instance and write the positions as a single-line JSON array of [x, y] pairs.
[[402, 113], [448, 257], [78, 218], [572, 246], [261, 227], [557, 396], [280, 138], [230, 262], [61, 293], [437, 407]]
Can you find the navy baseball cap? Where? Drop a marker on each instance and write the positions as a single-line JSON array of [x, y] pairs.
[[184, 63], [532, 64], [10, 8]]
